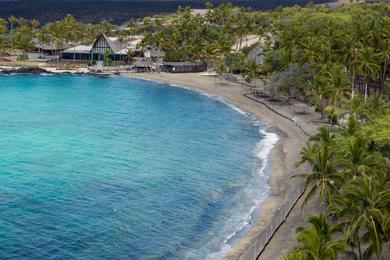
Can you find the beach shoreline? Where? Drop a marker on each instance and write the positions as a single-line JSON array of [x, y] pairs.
[[283, 155]]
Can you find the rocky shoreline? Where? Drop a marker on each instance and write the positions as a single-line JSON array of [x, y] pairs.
[[38, 70]]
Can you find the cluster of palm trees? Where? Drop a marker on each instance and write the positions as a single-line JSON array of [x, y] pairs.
[[205, 38], [332, 58], [201, 37], [21, 34], [350, 177], [341, 50]]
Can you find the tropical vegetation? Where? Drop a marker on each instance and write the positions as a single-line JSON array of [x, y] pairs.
[[335, 59]]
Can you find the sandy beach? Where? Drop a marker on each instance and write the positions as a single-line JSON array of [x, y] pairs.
[[283, 156]]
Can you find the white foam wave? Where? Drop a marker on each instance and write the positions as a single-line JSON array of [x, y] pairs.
[[262, 151], [44, 74]]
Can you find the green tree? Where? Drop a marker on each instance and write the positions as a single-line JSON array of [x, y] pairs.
[[12, 22], [367, 65], [362, 206], [323, 177], [316, 242], [338, 84], [252, 70]]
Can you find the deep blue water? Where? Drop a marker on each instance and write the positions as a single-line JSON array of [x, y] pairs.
[[119, 168]]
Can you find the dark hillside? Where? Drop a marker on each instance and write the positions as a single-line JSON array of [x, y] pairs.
[[116, 11]]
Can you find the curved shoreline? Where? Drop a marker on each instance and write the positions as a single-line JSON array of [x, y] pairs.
[[263, 153], [282, 157]]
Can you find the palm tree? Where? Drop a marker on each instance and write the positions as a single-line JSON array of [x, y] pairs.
[[316, 242], [3, 44], [338, 84], [362, 206], [357, 107], [12, 21], [35, 24], [252, 70], [243, 25], [351, 127], [43, 37], [350, 53], [385, 57], [23, 39], [3, 26], [106, 57], [367, 65], [357, 160], [129, 55], [3, 36], [313, 51], [376, 107], [318, 92], [323, 137], [323, 177]]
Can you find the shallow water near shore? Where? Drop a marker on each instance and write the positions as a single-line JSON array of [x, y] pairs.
[[94, 167]]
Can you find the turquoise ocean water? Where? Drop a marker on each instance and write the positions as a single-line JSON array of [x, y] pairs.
[[119, 168]]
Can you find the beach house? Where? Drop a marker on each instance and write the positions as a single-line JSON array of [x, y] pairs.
[[103, 47]]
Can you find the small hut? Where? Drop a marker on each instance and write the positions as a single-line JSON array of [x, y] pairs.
[[183, 67]]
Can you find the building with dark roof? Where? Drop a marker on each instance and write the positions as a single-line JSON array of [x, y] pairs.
[[183, 67], [103, 45]]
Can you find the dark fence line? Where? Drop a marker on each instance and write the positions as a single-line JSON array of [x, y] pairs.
[[248, 95]]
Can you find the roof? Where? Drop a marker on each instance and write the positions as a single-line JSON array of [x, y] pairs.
[[116, 46], [201, 12], [185, 63], [79, 49], [49, 46], [140, 64], [121, 47]]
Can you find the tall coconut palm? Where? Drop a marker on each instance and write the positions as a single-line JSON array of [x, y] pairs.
[[3, 36], [318, 92], [338, 84], [323, 176], [350, 52], [313, 51], [3, 26], [367, 65], [357, 160], [385, 57], [23, 39], [317, 241], [35, 24], [12, 22], [362, 206]]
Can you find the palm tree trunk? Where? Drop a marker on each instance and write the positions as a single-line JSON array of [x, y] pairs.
[[353, 84], [365, 87], [359, 249], [383, 76]]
